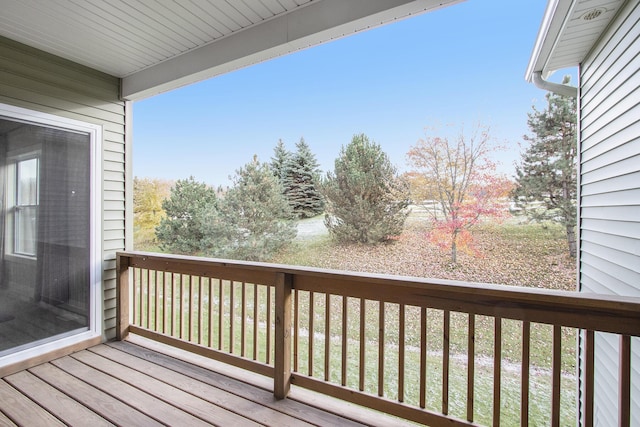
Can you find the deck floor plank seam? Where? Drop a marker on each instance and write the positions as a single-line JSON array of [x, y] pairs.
[[259, 396], [22, 410], [149, 406], [6, 421], [211, 393], [151, 384], [171, 395], [57, 403]]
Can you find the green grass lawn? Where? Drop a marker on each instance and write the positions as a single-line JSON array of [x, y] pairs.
[[530, 255], [512, 254]]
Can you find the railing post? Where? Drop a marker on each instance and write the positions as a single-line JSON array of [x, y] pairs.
[[122, 296], [624, 394], [282, 363]]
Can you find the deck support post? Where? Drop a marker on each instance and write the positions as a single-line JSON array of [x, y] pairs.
[[282, 362], [122, 296]]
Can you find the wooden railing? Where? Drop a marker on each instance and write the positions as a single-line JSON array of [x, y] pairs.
[[435, 352]]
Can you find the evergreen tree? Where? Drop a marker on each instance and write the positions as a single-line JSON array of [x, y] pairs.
[[547, 172], [192, 224], [280, 161], [301, 182], [365, 200], [259, 217]]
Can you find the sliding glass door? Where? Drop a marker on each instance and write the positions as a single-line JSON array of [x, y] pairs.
[[45, 233]]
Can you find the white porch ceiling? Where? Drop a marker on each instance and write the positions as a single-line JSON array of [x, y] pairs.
[[156, 46], [569, 30]]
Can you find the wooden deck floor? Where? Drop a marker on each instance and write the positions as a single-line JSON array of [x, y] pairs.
[[125, 383]]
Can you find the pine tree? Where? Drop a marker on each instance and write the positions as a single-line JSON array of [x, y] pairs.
[[548, 172], [192, 224], [259, 217], [365, 200], [280, 161], [301, 182]]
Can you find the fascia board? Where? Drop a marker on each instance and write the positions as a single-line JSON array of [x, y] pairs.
[[553, 24]]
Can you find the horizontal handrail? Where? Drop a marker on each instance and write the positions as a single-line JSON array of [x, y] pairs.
[[601, 313], [220, 281]]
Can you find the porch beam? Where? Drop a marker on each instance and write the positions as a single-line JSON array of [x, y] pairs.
[[319, 22]]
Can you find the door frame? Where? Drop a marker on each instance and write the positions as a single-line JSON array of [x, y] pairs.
[[95, 317]]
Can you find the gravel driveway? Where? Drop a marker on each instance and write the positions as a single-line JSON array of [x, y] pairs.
[[311, 227]]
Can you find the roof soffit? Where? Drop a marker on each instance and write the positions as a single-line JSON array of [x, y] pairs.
[[569, 30], [316, 23], [155, 46]]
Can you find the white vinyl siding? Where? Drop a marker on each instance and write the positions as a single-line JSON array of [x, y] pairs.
[[610, 192], [38, 81]]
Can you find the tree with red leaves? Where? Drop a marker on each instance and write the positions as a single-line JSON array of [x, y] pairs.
[[459, 179]]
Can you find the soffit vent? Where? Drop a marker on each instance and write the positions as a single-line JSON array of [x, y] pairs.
[[592, 14]]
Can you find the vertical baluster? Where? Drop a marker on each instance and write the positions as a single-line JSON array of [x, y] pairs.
[[343, 379], [255, 322], [524, 391], [401, 340], [327, 335], [243, 303], [363, 339], [624, 378], [445, 361], [148, 323], [231, 314], [141, 301], [143, 298], [381, 306], [497, 368], [423, 357], [200, 309], [471, 350], [268, 355], [164, 303], [181, 307], [556, 370], [191, 309], [296, 327], [311, 328], [136, 310], [211, 297], [589, 359], [173, 304], [220, 312], [156, 301]]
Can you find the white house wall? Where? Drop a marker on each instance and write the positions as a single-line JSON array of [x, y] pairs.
[[32, 79], [610, 191]]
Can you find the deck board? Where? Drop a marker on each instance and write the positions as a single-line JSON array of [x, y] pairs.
[[214, 395], [148, 406], [54, 401], [257, 395], [5, 421], [22, 410], [125, 383], [100, 402], [170, 394]]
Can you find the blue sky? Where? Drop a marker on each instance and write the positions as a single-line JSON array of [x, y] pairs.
[[456, 66]]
